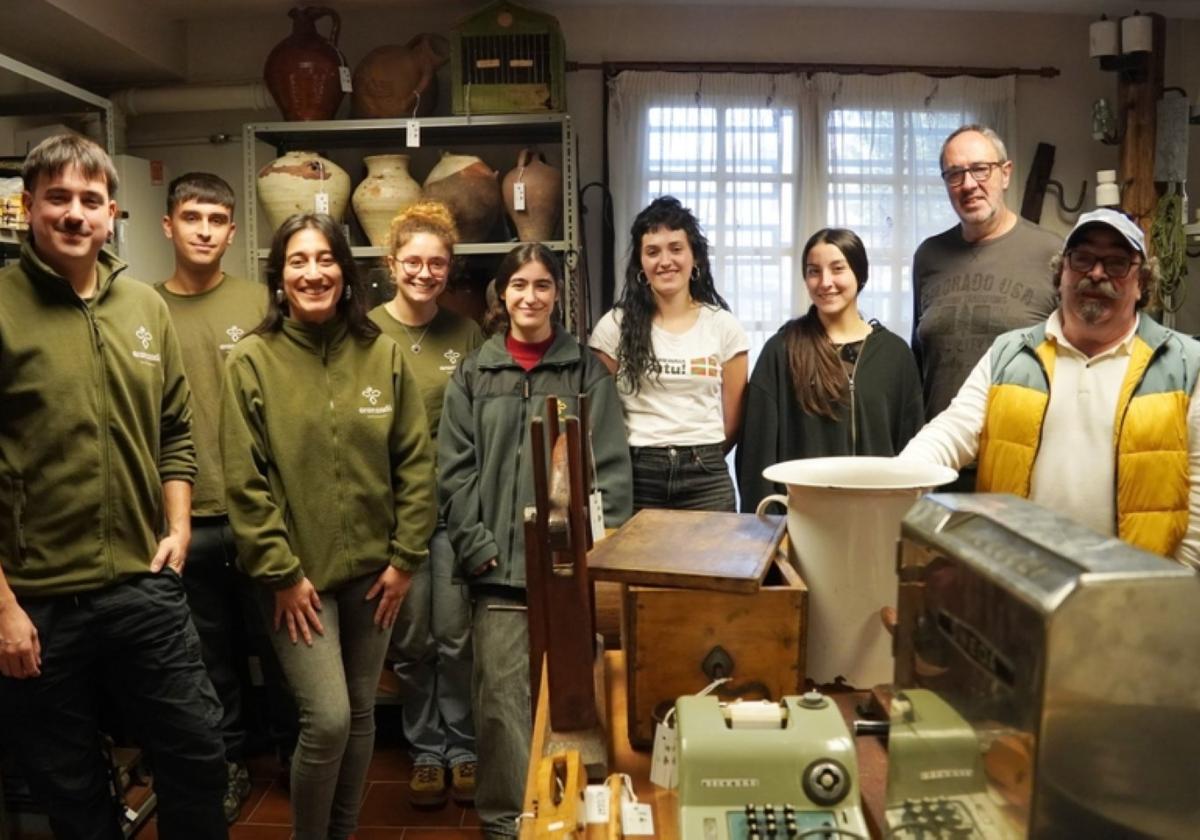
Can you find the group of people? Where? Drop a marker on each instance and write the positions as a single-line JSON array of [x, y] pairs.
[[360, 476]]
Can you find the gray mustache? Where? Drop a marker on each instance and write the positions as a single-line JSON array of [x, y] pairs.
[[1103, 287]]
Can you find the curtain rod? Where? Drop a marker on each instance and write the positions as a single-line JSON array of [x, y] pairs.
[[611, 68]]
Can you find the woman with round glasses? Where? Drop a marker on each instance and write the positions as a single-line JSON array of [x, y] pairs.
[[680, 359], [330, 484], [431, 645]]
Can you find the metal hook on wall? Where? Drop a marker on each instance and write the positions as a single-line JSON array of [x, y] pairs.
[[1061, 197]]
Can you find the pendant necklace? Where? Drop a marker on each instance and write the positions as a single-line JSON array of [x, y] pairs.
[[416, 345]]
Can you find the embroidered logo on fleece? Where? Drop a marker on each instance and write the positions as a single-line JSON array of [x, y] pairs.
[[145, 337], [372, 395]]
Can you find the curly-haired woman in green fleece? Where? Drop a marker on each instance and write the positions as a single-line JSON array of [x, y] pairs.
[[329, 478]]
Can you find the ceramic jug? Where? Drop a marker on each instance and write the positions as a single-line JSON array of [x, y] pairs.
[[471, 190], [290, 184], [399, 81], [386, 191], [537, 220], [302, 71]]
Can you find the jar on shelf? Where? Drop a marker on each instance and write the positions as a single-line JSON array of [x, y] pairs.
[[302, 182]]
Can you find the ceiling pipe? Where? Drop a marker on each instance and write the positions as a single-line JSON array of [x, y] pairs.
[[180, 99]]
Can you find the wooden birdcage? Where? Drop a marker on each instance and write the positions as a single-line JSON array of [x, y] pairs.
[[506, 59]]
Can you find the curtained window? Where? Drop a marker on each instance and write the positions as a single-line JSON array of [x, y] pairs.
[[765, 160]]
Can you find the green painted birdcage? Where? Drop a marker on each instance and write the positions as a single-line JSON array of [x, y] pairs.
[[506, 59]]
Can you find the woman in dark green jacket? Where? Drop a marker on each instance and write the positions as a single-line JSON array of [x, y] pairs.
[[485, 481], [829, 382], [329, 479]]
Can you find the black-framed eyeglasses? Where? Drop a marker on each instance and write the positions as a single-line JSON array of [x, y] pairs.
[[980, 172], [438, 266], [1116, 266]]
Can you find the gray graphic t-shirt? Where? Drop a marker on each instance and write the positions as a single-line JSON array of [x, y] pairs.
[[965, 295]]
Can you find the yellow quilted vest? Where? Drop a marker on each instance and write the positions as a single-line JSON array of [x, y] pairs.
[[1150, 433]]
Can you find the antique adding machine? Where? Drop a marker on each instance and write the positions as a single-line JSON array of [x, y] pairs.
[[758, 769], [1048, 679]]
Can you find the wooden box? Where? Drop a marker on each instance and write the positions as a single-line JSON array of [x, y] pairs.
[[678, 638]]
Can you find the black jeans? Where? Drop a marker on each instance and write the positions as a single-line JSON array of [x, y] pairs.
[[682, 478], [233, 633], [134, 639]]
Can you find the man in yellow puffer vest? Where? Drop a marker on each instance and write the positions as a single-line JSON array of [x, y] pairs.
[[1090, 413]]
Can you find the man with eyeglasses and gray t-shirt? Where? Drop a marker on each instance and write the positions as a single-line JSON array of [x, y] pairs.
[[985, 276]]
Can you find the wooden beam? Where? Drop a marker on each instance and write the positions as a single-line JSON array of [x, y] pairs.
[[1139, 87]]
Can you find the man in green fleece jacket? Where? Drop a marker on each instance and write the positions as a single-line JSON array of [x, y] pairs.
[[96, 465]]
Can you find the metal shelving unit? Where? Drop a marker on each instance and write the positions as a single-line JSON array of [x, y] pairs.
[[435, 132]]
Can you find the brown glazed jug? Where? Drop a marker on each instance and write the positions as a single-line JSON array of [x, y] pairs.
[[538, 220], [302, 70], [470, 189], [395, 81]]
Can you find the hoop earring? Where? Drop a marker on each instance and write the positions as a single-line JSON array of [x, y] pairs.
[[347, 293], [279, 296], [695, 274], [641, 277]]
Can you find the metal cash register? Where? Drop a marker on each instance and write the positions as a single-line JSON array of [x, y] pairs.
[[1048, 679]]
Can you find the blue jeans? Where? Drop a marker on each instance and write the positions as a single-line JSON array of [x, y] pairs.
[[431, 645], [682, 478], [135, 640], [334, 683], [500, 690]]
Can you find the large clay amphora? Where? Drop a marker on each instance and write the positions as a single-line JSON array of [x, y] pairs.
[[538, 220], [395, 81], [471, 190], [290, 184], [386, 191], [302, 70]]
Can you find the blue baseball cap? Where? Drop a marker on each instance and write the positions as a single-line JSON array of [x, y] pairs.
[[1114, 219]]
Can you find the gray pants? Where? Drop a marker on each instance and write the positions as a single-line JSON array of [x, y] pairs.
[[431, 644], [500, 692], [334, 682]]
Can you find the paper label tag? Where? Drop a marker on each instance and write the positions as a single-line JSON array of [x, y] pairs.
[[321, 202], [519, 196], [597, 802], [663, 762], [637, 819], [412, 134], [344, 79], [596, 514]]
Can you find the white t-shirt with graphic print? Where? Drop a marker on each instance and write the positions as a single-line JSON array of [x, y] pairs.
[[682, 407]]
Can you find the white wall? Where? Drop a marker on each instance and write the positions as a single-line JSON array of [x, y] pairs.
[[1055, 110]]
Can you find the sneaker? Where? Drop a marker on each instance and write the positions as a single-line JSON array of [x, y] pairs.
[[237, 791], [427, 789], [462, 783]]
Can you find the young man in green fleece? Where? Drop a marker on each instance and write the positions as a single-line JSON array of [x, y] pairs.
[[96, 470], [211, 311]]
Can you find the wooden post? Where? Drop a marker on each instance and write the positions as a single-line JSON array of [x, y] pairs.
[[1139, 87]]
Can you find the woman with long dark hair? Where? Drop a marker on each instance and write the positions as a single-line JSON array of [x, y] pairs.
[[329, 480], [486, 483], [829, 382], [680, 360]]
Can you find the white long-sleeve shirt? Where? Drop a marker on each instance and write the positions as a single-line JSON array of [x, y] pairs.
[[1074, 468]]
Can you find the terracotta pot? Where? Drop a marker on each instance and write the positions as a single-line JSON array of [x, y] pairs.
[[538, 221], [400, 81], [387, 190], [290, 184], [302, 70], [471, 190]]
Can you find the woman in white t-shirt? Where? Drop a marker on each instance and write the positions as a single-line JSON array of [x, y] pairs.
[[680, 361]]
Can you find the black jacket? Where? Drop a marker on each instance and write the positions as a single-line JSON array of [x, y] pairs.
[[887, 411]]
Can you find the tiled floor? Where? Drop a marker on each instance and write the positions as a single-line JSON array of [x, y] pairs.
[[386, 814]]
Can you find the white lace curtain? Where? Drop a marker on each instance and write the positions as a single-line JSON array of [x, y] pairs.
[[764, 160]]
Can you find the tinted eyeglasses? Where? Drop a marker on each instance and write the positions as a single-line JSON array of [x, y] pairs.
[[438, 266], [980, 172], [1116, 266]]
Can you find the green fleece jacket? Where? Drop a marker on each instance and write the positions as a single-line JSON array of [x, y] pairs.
[[328, 463], [485, 471], [94, 416]]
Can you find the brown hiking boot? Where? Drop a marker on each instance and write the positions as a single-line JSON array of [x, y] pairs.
[[427, 788], [462, 783]]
